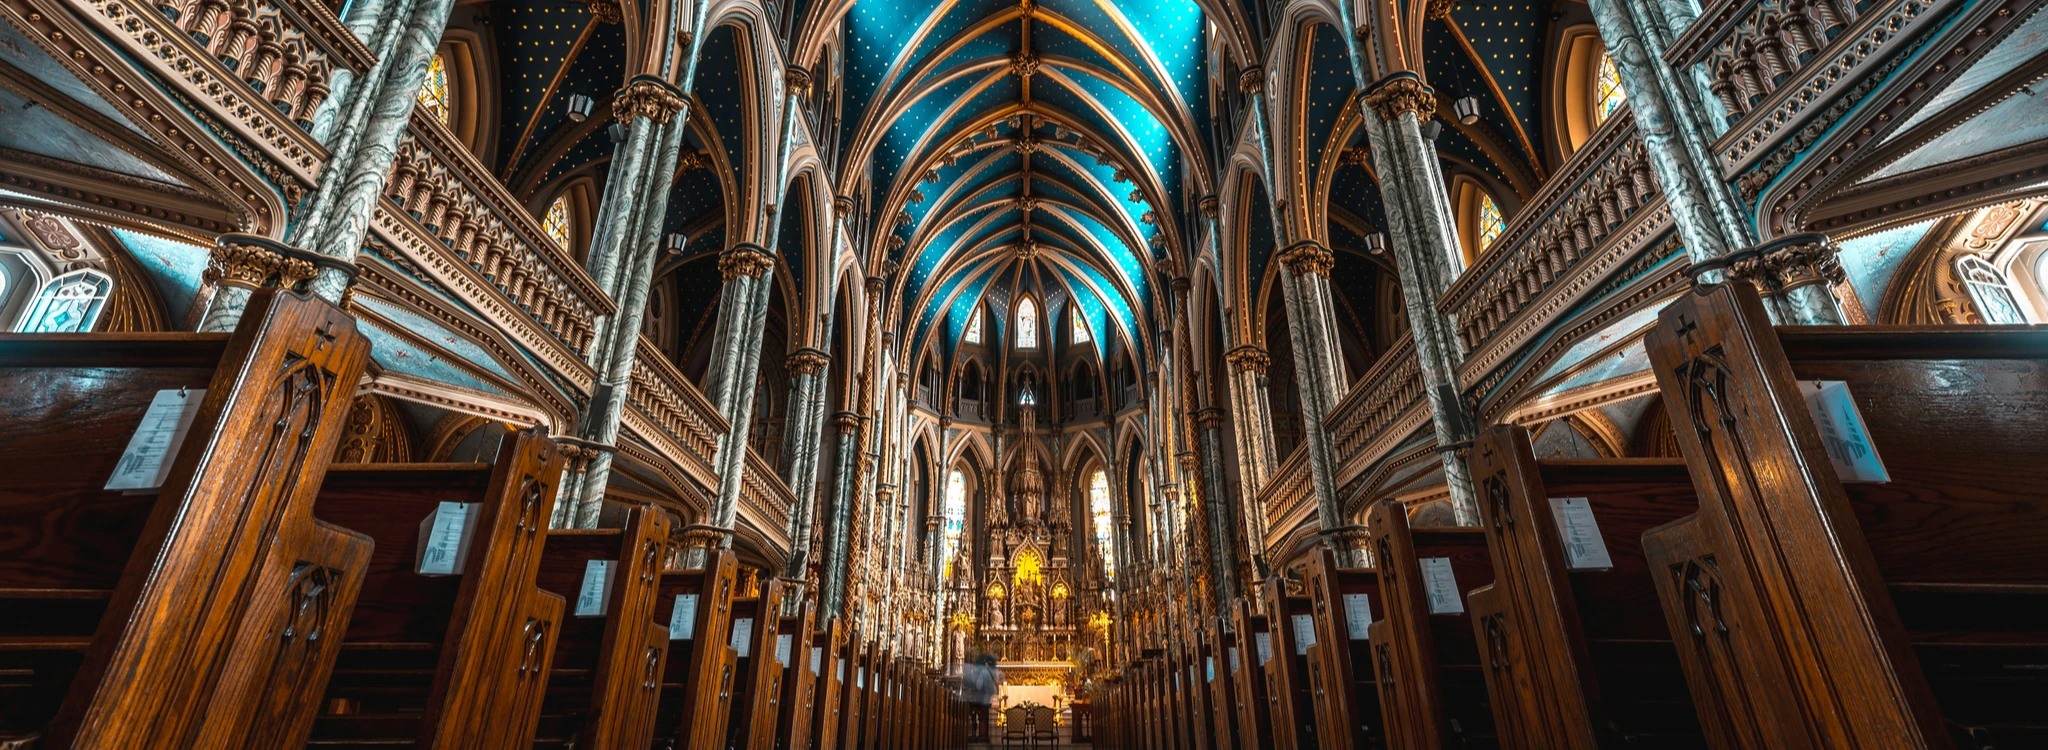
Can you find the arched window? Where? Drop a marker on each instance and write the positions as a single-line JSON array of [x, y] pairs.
[[1607, 93], [1996, 299], [955, 512], [1027, 324], [1081, 335], [974, 327], [434, 92], [70, 303], [1098, 510], [1490, 222], [556, 222]]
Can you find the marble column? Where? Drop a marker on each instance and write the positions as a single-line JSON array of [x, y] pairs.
[[1305, 289], [1423, 238], [1222, 534], [809, 368], [624, 252], [1254, 427], [838, 534]]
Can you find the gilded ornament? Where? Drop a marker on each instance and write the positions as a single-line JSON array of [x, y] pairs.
[[1252, 80], [808, 361], [798, 80], [647, 97], [744, 260], [1248, 359], [1399, 94], [1308, 258]]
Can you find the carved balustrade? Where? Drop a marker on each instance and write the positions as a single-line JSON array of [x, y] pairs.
[[766, 501], [285, 51], [1382, 408], [670, 414], [1288, 498], [465, 230]]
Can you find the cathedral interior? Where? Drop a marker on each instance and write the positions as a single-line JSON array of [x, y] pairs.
[[1181, 368]]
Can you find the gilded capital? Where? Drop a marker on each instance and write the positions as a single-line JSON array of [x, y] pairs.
[[1210, 206], [846, 422], [1307, 258], [744, 260], [1252, 80], [1789, 263], [808, 361], [1438, 9], [1210, 418], [843, 205], [1401, 93], [798, 80], [1248, 359], [702, 536], [874, 286], [255, 262], [649, 97]]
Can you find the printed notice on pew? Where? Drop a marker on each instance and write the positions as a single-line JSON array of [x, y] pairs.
[[444, 539], [147, 461], [682, 620], [595, 593], [1304, 633], [1580, 534], [1358, 616], [1442, 586], [743, 636], [1842, 431]]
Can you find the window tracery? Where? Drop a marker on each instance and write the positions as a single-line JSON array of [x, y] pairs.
[[1098, 512], [1997, 299], [1081, 335], [433, 93], [70, 303], [1607, 93], [974, 327], [955, 512], [556, 221], [1027, 324], [1491, 223]]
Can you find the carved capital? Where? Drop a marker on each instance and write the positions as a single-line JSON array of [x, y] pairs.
[[1248, 359], [1210, 418], [254, 262], [1211, 206], [649, 97], [606, 11], [846, 422], [702, 536], [798, 80], [1401, 93], [843, 205], [744, 260], [808, 361], [1789, 263], [1308, 258], [1252, 80], [1438, 9], [874, 286]]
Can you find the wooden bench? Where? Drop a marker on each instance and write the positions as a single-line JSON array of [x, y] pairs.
[[1341, 673], [1248, 676], [449, 660], [1195, 696], [828, 652], [857, 702], [696, 678], [1811, 612], [604, 679], [1577, 658], [1428, 666], [800, 694], [757, 672], [1289, 697], [1220, 658], [207, 613]]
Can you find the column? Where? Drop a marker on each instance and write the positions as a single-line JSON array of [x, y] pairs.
[[837, 535], [1254, 426], [624, 251], [807, 419], [1305, 288], [1423, 239], [1209, 426]]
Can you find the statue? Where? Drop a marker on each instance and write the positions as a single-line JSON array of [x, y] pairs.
[[1030, 484]]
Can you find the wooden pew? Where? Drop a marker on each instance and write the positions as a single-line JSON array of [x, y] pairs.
[[1193, 689], [1341, 673], [1248, 675], [448, 660], [604, 679], [828, 651], [1577, 658], [876, 714], [800, 695], [1811, 612], [696, 680], [1432, 692], [185, 617], [1220, 659], [757, 674], [1288, 694], [856, 703]]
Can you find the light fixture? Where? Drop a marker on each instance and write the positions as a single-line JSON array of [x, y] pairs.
[[1376, 243], [580, 107], [1467, 108], [1432, 129], [676, 242]]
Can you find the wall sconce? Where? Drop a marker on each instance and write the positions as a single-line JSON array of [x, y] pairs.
[[580, 107], [1467, 109]]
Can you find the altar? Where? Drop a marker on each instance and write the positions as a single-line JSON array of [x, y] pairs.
[[1043, 683]]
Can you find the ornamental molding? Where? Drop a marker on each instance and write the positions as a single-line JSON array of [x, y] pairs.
[[649, 97], [1308, 258], [744, 260], [1401, 93]]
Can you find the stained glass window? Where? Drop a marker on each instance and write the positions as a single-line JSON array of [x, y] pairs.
[[1098, 509], [70, 303], [556, 221], [1996, 299], [434, 92], [974, 327], [1027, 324], [1490, 222], [1607, 93], [955, 512], [1081, 335]]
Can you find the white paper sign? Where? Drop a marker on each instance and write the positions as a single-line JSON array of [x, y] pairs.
[[1264, 643], [1357, 616], [595, 594], [842, 670], [817, 660], [782, 645], [1842, 431], [1233, 660], [682, 619], [444, 539], [147, 460], [1209, 667], [1442, 587], [743, 636], [1580, 534], [860, 677], [1304, 633]]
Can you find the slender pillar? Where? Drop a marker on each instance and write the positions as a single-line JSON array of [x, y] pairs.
[[1254, 423], [1305, 289], [1209, 423], [807, 413], [838, 534], [1424, 237]]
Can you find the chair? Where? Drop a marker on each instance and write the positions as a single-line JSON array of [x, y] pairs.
[[1042, 721], [1014, 730]]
